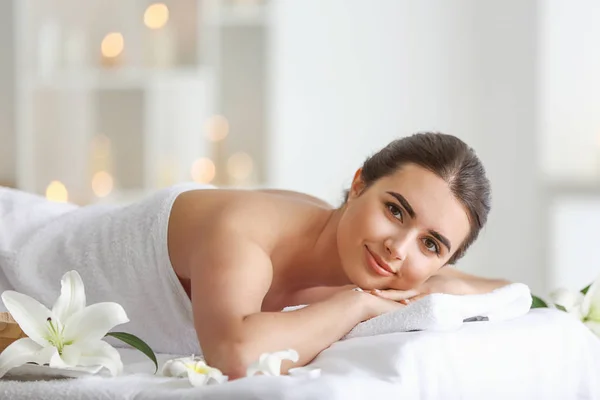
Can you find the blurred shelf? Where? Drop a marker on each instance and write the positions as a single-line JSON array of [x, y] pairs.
[[9, 184], [122, 197], [119, 79], [153, 102], [241, 15]]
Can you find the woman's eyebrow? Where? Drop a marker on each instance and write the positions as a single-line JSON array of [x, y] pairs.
[[444, 240], [404, 203]]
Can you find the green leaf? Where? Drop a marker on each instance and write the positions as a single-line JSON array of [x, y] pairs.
[[561, 308], [136, 342], [538, 303], [585, 289]]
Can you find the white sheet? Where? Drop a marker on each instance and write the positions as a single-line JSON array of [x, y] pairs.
[[545, 354]]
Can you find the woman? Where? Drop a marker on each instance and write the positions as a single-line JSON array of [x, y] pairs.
[[414, 207], [215, 267]]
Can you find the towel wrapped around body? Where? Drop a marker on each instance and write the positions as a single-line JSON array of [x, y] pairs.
[[120, 251]]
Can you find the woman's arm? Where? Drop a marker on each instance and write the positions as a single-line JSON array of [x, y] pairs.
[[230, 277], [469, 284], [447, 280]]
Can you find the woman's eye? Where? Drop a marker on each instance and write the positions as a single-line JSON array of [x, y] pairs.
[[431, 246], [394, 210]]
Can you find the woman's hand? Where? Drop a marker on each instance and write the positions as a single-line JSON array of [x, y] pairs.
[[378, 305], [372, 305], [448, 280], [435, 284]]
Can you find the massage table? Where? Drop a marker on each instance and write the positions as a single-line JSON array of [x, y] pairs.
[[544, 354]]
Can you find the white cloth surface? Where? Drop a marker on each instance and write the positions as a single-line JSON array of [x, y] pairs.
[[545, 354], [120, 251], [443, 312]]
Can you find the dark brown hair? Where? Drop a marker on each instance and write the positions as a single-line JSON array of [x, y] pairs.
[[449, 158]]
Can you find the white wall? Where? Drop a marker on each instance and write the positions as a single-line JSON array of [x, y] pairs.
[[569, 116], [506, 47], [7, 91], [342, 86], [348, 76], [574, 258], [570, 89]]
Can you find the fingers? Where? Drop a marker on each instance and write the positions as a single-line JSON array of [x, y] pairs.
[[396, 295], [413, 299]]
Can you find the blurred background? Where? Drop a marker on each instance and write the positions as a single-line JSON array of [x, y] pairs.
[[108, 100]]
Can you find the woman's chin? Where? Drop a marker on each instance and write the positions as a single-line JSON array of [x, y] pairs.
[[361, 277], [366, 282]]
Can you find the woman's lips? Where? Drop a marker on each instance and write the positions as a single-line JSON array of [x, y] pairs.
[[377, 265]]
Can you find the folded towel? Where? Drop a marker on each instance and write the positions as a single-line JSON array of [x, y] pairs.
[[443, 312]]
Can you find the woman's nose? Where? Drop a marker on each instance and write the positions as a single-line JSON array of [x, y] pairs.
[[397, 248]]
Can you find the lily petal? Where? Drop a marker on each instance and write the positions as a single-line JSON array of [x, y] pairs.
[[56, 361], [23, 351], [272, 366], [594, 327], [569, 299], [68, 359], [201, 374], [101, 353], [289, 354], [591, 302], [93, 322], [218, 376], [72, 296], [257, 366], [272, 363], [31, 315], [197, 379], [177, 367], [253, 369]]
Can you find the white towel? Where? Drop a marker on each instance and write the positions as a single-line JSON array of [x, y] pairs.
[[443, 312], [120, 251]]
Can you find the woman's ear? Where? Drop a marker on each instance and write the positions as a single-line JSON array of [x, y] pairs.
[[358, 185]]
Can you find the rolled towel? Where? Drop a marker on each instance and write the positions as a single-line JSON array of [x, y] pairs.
[[444, 312]]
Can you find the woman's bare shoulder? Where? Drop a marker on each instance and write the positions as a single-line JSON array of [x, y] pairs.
[[261, 214], [224, 203], [293, 195], [263, 217]]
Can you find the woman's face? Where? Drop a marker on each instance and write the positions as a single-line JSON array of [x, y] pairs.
[[401, 230]]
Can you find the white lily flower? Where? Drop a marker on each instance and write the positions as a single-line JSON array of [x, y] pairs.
[[68, 336], [569, 299], [200, 374], [591, 307], [196, 370], [586, 307], [177, 367], [270, 363]]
